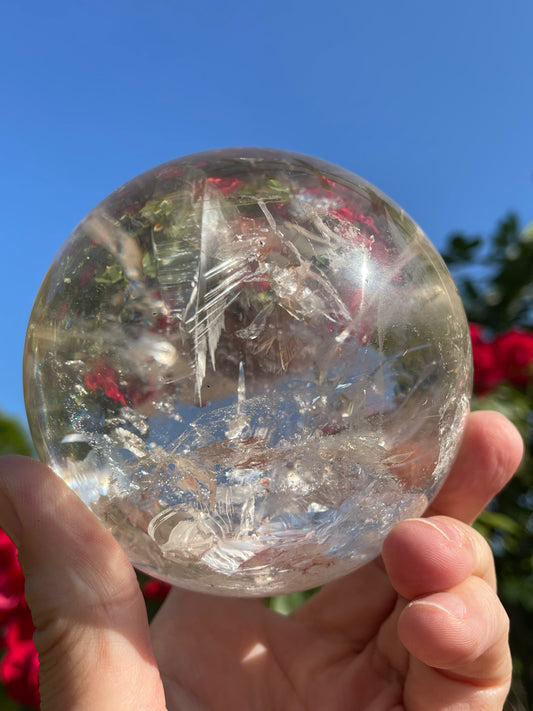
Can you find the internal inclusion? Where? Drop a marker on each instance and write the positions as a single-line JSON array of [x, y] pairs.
[[255, 527], [280, 542], [277, 509]]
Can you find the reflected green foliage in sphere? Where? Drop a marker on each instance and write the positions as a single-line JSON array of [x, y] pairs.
[[250, 364]]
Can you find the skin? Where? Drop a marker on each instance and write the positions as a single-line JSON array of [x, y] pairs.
[[419, 629]]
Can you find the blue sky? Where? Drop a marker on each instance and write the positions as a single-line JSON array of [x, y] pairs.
[[431, 101]]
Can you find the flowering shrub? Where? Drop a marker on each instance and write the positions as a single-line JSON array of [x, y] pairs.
[[494, 276], [19, 667], [506, 358]]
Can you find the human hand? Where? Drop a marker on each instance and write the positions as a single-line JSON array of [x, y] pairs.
[[419, 629]]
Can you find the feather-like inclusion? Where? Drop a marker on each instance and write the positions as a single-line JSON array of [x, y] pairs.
[[250, 364]]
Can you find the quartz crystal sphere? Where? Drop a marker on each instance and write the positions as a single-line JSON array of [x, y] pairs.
[[250, 364]]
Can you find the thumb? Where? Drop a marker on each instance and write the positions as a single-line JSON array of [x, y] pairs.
[[92, 631]]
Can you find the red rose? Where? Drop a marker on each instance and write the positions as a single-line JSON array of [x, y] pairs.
[[19, 671], [11, 578], [225, 184], [514, 351], [103, 377], [488, 370], [155, 590], [19, 667], [19, 627]]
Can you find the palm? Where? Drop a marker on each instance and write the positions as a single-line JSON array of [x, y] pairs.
[[337, 648]]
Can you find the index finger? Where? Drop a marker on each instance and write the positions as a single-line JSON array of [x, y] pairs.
[[489, 455]]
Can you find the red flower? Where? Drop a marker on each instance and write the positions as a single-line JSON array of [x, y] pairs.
[[19, 667], [350, 214], [225, 184], [11, 578], [126, 390], [155, 590], [514, 351], [19, 627], [508, 357], [488, 370], [103, 377], [19, 671]]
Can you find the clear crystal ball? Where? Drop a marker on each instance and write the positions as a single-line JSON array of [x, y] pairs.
[[250, 364]]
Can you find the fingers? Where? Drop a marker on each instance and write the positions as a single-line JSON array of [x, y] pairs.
[[463, 631], [92, 633], [454, 626], [423, 556], [489, 455], [458, 640], [490, 452]]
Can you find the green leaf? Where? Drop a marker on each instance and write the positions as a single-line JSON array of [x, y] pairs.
[[518, 591], [113, 274], [285, 604], [13, 437], [500, 521], [509, 401], [149, 264], [7, 703]]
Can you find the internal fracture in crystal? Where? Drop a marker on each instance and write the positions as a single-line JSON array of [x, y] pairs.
[[250, 364]]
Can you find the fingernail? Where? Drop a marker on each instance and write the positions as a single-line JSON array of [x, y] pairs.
[[449, 532], [449, 603]]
